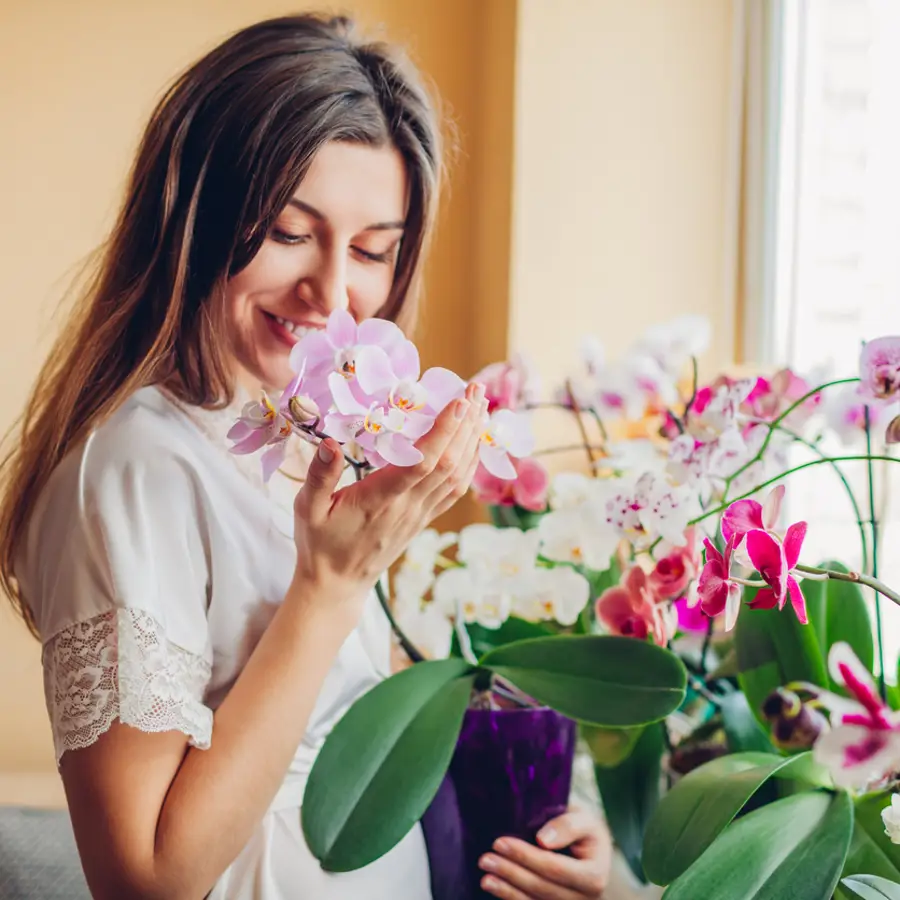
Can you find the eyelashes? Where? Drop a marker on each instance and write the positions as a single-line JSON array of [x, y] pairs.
[[295, 240]]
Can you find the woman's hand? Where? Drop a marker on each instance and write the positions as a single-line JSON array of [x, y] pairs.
[[518, 870], [346, 538]]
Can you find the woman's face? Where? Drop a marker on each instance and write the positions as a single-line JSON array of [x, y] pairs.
[[333, 246]]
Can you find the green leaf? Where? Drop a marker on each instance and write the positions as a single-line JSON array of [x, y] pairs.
[[630, 794], [871, 851], [693, 814], [514, 517], [773, 649], [793, 848], [742, 730], [383, 762], [611, 681], [513, 629], [871, 887], [838, 611], [610, 746]]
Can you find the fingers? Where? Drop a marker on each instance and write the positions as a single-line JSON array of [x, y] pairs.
[[461, 464], [511, 880], [535, 870], [314, 498], [570, 828]]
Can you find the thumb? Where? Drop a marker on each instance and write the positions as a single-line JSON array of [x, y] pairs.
[[321, 480]]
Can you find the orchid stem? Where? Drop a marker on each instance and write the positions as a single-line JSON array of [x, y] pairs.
[[873, 522], [853, 577], [585, 440]]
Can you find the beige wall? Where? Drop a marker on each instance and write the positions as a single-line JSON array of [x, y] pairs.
[[592, 140], [78, 81]]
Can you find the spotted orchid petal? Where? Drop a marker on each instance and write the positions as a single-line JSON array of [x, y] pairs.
[[879, 365]]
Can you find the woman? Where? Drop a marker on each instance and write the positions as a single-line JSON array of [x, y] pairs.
[[202, 632]]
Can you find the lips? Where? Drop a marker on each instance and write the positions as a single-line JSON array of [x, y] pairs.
[[286, 330]]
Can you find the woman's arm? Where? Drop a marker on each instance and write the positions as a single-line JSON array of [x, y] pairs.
[[156, 821]]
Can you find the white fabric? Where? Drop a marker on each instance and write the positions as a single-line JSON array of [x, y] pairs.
[[154, 562]]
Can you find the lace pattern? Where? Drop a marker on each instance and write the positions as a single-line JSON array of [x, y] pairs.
[[119, 665]]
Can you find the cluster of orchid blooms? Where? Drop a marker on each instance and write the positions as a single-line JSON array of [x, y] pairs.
[[647, 507]]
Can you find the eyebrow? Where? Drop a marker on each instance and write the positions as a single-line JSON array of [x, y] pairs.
[[312, 211]]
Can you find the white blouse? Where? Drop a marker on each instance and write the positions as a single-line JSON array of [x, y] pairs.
[[154, 561]]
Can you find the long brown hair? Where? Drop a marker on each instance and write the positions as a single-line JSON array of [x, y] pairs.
[[222, 154]]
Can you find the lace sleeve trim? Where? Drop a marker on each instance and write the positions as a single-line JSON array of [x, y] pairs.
[[120, 665]]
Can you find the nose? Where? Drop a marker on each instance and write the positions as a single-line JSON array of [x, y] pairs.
[[326, 287]]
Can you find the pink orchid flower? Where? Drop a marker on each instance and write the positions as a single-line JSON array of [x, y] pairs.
[[506, 434], [690, 618], [717, 592], [262, 423], [509, 385], [879, 368], [335, 349], [863, 744], [630, 611], [775, 561], [675, 571], [750, 515], [529, 489]]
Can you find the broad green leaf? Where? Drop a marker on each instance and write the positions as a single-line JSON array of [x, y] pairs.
[[693, 814], [611, 681], [838, 611], [871, 887], [630, 794], [773, 649], [513, 629], [871, 851], [383, 762], [742, 729], [793, 848], [610, 746]]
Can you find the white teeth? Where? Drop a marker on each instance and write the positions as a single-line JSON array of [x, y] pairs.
[[295, 329]]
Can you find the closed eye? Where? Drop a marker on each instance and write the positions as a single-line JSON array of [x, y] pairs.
[[284, 237], [386, 257]]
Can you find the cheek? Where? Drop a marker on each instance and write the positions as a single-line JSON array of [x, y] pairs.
[[370, 289], [270, 272]]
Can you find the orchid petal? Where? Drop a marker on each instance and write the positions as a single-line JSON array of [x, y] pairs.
[[765, 598], [342, 428], [344, 399], [312, 349], [373, 370], [397, 450], [272, 459], [798, 601], [239, 431], [380, 332], [732, 605], [764, 551], [405, 360], [771, 509], [518, 437], [254, 441], [417, 424], [742, 516], [442, 386], [793, 543], [846, 669], [341, 328], [496, 461]]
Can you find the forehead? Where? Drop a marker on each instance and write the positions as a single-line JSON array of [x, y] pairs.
[[356, 183]]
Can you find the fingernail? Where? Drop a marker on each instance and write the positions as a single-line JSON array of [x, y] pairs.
[[490, 884], [488, 863], [480, 391], [461, 408], [547, 835], [326, 454], [502, 846]]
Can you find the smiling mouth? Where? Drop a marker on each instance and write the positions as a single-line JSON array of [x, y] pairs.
[[290, 329]]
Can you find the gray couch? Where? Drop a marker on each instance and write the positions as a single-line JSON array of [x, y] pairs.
[[38, 859]]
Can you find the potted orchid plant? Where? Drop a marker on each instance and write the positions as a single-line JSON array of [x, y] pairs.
[[733, 697]]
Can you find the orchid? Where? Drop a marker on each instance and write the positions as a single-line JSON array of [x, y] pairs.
[[879, 365], [845, 414], [528, 490], [714, 412], [775, 561], [673, 344], [676, 569], [890, 816], [510, 385], [864, 741], [558, 594], [428, 627], [750, 515], [630, 610], [650, 508], [580, 535], [706, 466], [771, 397], [415, 576], [506, 434], [716, 590]]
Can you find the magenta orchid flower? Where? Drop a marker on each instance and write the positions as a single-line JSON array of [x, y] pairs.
[[750, 515], [716, 591], [863, 744], [506, 434], [529, 489], [879, 368], [775, 561]]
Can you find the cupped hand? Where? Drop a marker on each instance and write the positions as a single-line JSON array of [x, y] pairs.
[[348, 537], [518, 870]]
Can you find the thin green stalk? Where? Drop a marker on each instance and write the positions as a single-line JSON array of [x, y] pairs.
[[777, 421], [873, 522], [816, 462], [855, 577]]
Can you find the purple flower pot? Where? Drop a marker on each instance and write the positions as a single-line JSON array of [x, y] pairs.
[[511, 773]]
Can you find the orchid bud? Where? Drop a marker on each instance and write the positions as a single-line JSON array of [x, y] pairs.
[[303, 409], [892, 435], [795, 725]]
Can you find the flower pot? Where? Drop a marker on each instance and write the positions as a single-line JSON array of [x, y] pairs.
[[510, 774]]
